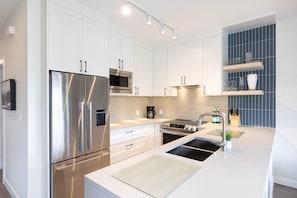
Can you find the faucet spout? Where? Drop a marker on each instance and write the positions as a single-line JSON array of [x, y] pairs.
[[223, 120]]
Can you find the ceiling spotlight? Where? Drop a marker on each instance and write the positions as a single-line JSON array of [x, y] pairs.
[[173, 35], [126, 9], [148, 19], [162, 29]]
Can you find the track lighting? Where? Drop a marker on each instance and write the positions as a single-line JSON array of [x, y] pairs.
[[148, 19], [174, 35], [126, 10], [162, 29]]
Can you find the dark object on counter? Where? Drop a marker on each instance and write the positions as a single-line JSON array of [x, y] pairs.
[[151, 113]]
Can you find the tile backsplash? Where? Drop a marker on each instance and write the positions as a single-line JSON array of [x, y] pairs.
[[189, 104], [255, 110]]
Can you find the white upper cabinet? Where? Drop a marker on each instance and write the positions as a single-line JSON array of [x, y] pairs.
[[120, 51], [160, 87], [213, 63], [175, 65], [142, 73], [95, 47], [76, 43], [185, 64], [193, 63]]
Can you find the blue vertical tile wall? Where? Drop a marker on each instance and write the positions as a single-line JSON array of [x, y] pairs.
[[255, 110]]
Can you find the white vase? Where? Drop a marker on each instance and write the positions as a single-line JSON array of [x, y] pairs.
[[229, 144], [252, 81]]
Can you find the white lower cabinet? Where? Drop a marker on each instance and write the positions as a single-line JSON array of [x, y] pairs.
[[127, 149], [158, 135], [128, 142]]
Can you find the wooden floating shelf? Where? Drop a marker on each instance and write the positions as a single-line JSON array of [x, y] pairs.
[[244, 67], [243, 93]]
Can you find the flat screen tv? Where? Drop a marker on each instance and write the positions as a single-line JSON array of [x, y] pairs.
[[8, 94]]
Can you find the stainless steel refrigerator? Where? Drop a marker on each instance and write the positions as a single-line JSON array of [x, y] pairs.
[[79, 130]]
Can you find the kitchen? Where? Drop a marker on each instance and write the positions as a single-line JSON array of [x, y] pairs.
[[23, 130]]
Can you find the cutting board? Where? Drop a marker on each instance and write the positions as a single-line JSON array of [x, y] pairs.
[[157, 175]]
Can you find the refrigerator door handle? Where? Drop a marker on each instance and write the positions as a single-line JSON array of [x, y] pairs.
[[82, 121], [90, 141]]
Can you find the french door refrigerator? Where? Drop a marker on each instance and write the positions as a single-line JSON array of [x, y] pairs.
[[80, 132]]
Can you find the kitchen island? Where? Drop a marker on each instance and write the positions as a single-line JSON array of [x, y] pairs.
[[243, 171]]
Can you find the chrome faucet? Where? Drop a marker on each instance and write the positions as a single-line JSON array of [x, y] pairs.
[[223, 119]]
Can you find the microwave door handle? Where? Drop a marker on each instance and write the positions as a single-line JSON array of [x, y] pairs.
[[81, 135], [90, 141]]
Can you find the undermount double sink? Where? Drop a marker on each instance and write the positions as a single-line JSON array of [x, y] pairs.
[[197, 149]]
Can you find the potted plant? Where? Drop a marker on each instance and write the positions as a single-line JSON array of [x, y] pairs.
[[228, 139]]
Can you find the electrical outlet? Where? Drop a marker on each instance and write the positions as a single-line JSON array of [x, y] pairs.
[[137, 112], [160, 111]]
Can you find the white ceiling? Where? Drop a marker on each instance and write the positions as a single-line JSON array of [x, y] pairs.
[[187, 17]]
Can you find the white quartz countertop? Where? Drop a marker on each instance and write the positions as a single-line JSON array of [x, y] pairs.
[[136, 122], [241, 172]]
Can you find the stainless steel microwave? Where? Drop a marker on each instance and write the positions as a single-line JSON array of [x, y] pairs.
[[120, 81]]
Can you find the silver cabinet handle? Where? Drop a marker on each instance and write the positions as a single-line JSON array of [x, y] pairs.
[[164, 92], [90, 141], [122, 64], [119, 63], [129, 146], [86, 66], [136, 90], [81, 120], [80, 65], [184, 80], [128, 132], [181, 80]]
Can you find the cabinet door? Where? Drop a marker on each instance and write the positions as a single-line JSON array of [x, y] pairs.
[[114, 50], [142, 71], [193, 63], [120, 51], [95, 47], [160, 87], [213, 66], [175, 71], [159, 72], [149, 137], [127, 149], [64, 40], [127, 53]]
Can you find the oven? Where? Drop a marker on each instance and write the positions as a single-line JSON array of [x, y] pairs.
[[175, 129]]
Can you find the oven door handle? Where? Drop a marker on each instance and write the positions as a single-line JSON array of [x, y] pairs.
[[174, 132]]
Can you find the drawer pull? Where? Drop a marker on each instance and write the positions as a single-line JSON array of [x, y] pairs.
[[129, 146]]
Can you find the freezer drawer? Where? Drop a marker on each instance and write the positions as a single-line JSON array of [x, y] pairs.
[[68, 176]]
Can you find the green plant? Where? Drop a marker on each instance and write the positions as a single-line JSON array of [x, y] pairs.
[[228, 135]]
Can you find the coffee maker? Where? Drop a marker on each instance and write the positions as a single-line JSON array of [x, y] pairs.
[[150, 112]]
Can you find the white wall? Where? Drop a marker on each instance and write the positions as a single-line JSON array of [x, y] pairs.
[[14, 49], [1, 119], [285, 148], [25, 174]]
